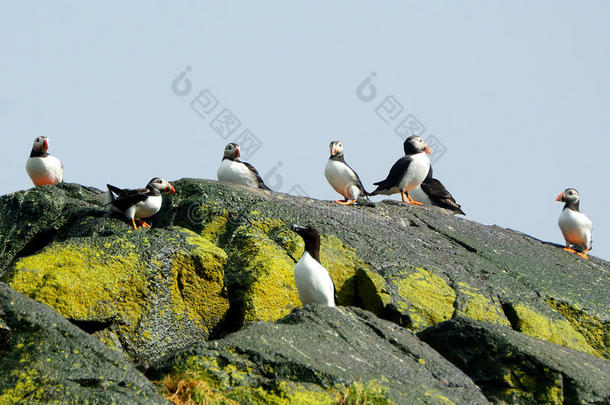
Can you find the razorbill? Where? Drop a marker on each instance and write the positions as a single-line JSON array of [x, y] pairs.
[[408, 172], [431, 192], [233, 170], [138, 203], [343, 178], [575, 226], [312, 280], [43, 168]]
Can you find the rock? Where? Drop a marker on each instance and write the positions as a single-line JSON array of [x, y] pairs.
[[221, 257], [411, 265], [513, 368], [49, 360], [314, 350], [143, 292], [30, 219]]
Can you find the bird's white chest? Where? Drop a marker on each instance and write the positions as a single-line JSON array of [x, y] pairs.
[[416, 172], [230, 171], [148, 207], [313, 282], [45, 170], [342, 178], [576, 227]]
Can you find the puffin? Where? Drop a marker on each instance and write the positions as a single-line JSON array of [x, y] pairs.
[[431, 192], [408, 172], [311, 278], [575, 226], [233, 170], [43, 168], [343, 178], [140, 202]]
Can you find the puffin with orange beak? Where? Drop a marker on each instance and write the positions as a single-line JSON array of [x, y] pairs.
[[575, 226], [138, 203], [408, 172], [343, 178], [42, 167], [233, 170]]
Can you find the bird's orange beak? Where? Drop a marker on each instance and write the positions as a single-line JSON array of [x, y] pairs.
[[46, 145], [237, 152], [333, 150], [560, 197], [171, 189], [427, 149]]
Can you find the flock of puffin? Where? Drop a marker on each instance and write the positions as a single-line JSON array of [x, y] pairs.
[[411, 176]]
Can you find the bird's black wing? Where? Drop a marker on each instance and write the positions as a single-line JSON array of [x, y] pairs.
[[259, 179], [127, 198], [396, 174], [358, 181], [439, 195], [115, 190]]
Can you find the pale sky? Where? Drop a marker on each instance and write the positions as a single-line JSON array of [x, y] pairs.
[[517, 94]]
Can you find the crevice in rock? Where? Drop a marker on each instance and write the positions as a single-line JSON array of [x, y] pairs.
[[37, 243], [511, 315], [92, 326], [87, 382]]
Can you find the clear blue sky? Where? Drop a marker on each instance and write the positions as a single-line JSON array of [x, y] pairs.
[[517, 92]]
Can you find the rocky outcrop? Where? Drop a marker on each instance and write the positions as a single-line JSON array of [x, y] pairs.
[[46, 359], [316, 349], [142, 293], [221, 257], [511, 367]]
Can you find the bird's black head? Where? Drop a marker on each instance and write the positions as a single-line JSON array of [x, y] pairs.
[[415, 144], [231, 151], [311, 236], [41, 144], [336, 148], [161, 185], [569, 196]]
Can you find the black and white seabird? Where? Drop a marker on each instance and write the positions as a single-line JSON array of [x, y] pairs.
[[575, 226], [431, 192], [43, 168], [233, 170], [343, 178], [138, 203], [408, 172], [312, 280]]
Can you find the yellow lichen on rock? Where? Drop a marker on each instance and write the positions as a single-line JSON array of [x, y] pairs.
[[592, 328], [84, 281], [265, 270], [198, 282], [479, 307], [426, 297], [342, 263], [557, 331]]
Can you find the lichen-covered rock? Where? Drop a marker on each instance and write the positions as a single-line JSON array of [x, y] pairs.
[[30, 219], [48, 360], [143, 292], [411, 265], [316, 348], [516, 369]]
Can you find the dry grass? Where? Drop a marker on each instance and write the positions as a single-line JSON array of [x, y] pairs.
[[183, 390]]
